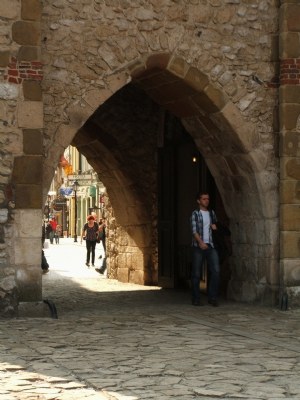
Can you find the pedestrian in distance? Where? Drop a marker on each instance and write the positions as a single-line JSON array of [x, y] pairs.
[[102, 233], [90, 234], [53, 224], [48, 230], [203, 223], [102, 239], [43, 234], [57, 233]]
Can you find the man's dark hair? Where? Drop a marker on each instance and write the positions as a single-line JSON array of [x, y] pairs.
[[200, 194]]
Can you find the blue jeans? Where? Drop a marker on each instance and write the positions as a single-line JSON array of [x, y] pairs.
[[213, 269], [51, 236]]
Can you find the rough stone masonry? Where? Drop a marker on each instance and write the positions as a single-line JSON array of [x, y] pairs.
[[229, 69]]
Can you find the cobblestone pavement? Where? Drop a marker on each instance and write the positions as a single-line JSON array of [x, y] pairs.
[[122, 341]]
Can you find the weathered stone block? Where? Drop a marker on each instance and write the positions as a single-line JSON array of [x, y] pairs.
[[158, 61], [123, 275], [290, 245], [290, 272], [178, 67], [32, 90], [290, 144], [289, 192], [137, 277], [8, 91], [290, 168], [4, 58], [116, 82], [272, 273], [30, 115], [197, 79], [141, 236], [3, 215], [31, 10], [289, 45], [26, 33], [137, 261], [289, 94], [28, 251], [33, 219], [32, 142], [289, 114], [28, 53], [28, 169], [29, 281], [33, 309], [216, 96], [9, 8], [122, 261], [290, 217], [292, 16], [293, 293], [28, 196]]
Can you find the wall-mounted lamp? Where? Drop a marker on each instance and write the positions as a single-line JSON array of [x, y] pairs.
[[194, 159]]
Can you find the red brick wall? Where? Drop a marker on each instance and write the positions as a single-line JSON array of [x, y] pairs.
[[17, 71], [290, 71]]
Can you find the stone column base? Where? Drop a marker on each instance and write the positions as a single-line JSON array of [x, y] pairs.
[[33, 309]]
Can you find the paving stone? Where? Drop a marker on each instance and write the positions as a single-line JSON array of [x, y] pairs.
[[157, 350]]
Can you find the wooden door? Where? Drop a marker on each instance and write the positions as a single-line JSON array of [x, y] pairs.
[[166, 218]]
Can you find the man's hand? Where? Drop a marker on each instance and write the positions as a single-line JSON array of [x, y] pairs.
[[214, 227], [203, 246]]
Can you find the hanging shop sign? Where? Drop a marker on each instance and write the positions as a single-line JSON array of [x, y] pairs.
[[59, 204], [87, 177], [66, 191]]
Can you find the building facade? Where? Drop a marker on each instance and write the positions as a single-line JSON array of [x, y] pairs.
[[75, 186], [139, 89]]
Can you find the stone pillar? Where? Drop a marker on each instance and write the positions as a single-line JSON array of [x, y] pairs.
[[10, 143], [22, 109], [289, 98]]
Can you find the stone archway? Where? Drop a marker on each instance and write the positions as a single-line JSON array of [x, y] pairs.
[[204, 57], [244, 175]]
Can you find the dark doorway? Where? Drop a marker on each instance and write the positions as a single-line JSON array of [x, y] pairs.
[[182, 172]]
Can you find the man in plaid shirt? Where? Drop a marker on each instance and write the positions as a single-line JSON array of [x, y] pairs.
[[203, 222]]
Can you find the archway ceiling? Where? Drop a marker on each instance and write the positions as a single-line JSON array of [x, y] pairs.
[[119, 140], [118, 130]]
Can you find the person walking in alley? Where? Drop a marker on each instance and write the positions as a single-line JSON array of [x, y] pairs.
[[48, 230], [203, 222], [57, 234], [90, 234], [102, 233], [53, 224]]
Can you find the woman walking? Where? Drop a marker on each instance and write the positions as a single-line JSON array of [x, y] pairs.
[[90, 234]]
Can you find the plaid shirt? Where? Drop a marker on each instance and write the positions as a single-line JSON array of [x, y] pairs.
[[197, 226]]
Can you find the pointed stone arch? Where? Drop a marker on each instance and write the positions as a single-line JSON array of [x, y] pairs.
[[228, 142]]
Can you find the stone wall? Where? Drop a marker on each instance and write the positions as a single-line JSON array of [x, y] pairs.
[[21, 112], [289, 114], [222, 79], [214, 64]]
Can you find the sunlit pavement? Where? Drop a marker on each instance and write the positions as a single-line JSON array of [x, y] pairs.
[[123, 341]]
